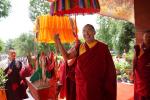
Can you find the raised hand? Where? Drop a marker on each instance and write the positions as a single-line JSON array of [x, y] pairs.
[[56, 38]]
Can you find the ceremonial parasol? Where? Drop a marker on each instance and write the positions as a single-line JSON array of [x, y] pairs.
[[63, 7], [46, 26]]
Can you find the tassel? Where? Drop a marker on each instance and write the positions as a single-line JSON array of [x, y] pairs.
[[94, 4], [52, 9], [55, 7], [59, 5], [85, 3], [91, 4], [63, 5], [81, 4], [97, 4], [49, 25], [68, 5], [88, 3]]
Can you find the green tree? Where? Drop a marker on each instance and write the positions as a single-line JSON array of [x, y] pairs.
[[103, 32], [4, 8], [38, 7], [116, 33], [125, 36], [1, 45], [9, 44], [24, 44], [45, 47]]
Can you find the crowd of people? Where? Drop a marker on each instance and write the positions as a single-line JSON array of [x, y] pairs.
[[87, 71]]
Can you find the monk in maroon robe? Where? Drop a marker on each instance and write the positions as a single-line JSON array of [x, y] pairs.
[[141, 64], [15, 89], [95, 74]]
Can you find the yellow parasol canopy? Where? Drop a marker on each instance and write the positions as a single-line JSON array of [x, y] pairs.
[[46, 26]]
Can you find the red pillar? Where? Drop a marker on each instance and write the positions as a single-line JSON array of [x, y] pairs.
[[142, 17]]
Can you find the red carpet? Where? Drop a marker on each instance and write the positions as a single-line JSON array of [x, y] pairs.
[[125, 91]]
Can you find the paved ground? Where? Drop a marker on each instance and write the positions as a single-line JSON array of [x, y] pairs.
[[125, 91]]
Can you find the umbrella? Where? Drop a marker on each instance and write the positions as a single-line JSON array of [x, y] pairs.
[[46, 26], [62, 7]]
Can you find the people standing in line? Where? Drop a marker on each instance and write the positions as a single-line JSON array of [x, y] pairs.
[[141, 68], [95, 73]]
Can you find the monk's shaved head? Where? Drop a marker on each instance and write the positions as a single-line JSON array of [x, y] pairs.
[[90, 27]]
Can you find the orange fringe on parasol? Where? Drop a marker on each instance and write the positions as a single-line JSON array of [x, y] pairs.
[[46, 26]]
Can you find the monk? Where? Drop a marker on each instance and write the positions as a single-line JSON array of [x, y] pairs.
[[14, 80], [95, 73], [141, 63]]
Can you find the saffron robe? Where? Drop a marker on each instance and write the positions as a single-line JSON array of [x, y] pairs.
[[95, 74], [142, 72]]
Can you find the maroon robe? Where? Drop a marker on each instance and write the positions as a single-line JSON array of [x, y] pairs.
[[142, 74], [14, 89], [95, 74], [68, 80]]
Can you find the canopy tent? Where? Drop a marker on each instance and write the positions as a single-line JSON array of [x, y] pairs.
[[46, 26]]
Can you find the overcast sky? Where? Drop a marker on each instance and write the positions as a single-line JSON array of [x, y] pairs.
[[19, 22]]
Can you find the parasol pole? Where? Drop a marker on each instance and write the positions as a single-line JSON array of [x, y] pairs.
[[76, 35]]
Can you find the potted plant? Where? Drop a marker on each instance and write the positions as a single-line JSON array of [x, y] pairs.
[[39, 85], [3, 80]]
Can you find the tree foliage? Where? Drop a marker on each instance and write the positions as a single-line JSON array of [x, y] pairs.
[[104, 33], [4, 8], [116, 33], [38, 7], [125, 36], [24, 44], [46, 47], [1, 45], [50, 47], [9, 44]]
